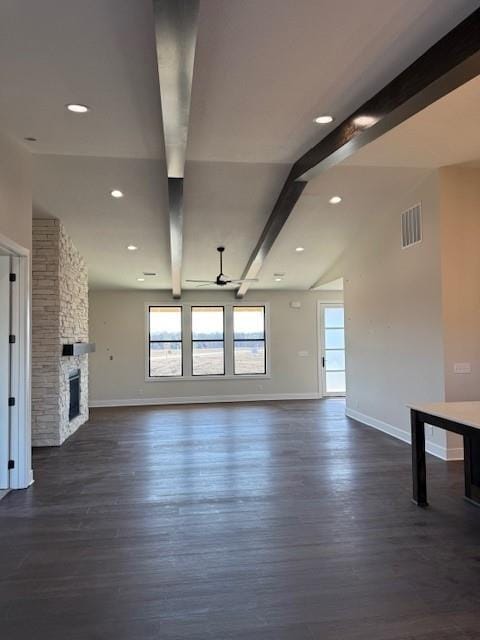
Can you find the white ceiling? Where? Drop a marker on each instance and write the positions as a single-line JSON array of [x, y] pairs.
[[446, 133], [324, 230], [95, 52], [263, 70], [76, 189]]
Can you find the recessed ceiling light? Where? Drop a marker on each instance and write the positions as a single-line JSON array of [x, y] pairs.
[[140, 279], [78, 108], [278, 279], [116, 193], [365, 121], [324, 119], [299, 249], [132, 247], [335, 200]]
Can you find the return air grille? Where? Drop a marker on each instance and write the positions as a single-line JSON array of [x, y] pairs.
[[412, 226]]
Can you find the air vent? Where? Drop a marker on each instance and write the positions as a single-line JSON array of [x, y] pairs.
[[412, 226], [149, 273]]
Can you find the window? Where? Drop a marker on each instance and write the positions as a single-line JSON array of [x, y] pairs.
[[165, 342], [192, 342], [249, 352], [208, 353]]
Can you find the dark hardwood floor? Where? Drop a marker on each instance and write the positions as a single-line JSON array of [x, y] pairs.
[[267, 521]]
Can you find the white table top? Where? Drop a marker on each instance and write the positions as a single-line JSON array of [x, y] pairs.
[[467, 413]]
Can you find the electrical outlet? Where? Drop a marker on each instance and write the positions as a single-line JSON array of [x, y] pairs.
[[462, 367]]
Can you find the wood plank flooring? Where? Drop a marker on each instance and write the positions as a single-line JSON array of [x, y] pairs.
[[265, 521]]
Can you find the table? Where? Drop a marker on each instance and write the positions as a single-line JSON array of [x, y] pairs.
[[459, 417]]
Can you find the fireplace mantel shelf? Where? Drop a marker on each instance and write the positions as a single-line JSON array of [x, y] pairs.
[[78, 348]]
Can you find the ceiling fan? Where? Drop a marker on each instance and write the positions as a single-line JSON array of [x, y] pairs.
[[222, 280]]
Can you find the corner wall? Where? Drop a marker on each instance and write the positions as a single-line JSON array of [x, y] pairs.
[[15, 192], [117, 326], [460, 236], [460, 220]]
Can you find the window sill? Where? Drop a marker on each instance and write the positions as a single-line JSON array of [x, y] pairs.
[[258, 376]]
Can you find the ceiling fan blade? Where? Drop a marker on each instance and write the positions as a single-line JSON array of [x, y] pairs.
[[204, 281], [205, 284], [244, 280]]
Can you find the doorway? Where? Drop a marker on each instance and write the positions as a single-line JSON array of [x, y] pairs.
[[15, 410], [4, 371], [331, 331]]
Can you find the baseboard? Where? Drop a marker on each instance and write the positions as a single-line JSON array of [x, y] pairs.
[[455, 453], [431, 447], [137, 402]]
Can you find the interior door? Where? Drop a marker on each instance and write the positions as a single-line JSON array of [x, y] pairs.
[[332, 349], [4, 370]]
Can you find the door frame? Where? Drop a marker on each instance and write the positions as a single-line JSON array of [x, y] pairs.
[[321, 348], [5, 347], [21, 475]]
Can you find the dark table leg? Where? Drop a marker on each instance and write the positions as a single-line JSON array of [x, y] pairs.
[[419, 472], [471, 448]]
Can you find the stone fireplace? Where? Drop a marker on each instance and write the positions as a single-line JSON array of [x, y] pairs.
[[59, 317]]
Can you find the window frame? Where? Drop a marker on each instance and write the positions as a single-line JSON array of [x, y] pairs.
[[193, 340], [264, 340], [187, 341], [150, 341]]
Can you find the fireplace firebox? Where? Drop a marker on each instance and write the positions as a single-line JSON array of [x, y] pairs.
[[74, 381]]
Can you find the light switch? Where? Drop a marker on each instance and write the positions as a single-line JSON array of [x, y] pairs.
[[462, 367]]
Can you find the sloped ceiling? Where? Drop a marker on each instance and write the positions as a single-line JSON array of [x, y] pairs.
[[263, 70]]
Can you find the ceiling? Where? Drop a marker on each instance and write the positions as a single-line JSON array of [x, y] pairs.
[[263, 70], [446, 133]]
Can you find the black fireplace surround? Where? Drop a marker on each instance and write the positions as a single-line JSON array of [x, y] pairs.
[[74, 383]]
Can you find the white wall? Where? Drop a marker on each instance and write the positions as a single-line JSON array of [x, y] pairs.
[[117, 326], [460, 216], [460, 233], [15, 193], [393, 308]]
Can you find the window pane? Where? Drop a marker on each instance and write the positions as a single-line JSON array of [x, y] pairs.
[[335, 381], [335, 360], [207, 323], [249, 357], [334, 317], [165, 323], [248, 322], [165, 359], [334, 339], [207, 358]]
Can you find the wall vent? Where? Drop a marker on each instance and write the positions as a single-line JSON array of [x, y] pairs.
[[412, 226]]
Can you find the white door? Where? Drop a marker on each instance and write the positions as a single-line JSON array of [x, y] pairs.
[[332, 349], [4, 370]]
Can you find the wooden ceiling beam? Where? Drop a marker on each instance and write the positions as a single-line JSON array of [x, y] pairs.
[[451, 62], [176, 23]]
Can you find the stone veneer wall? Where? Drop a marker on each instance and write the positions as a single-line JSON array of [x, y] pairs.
[[59, 316]]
